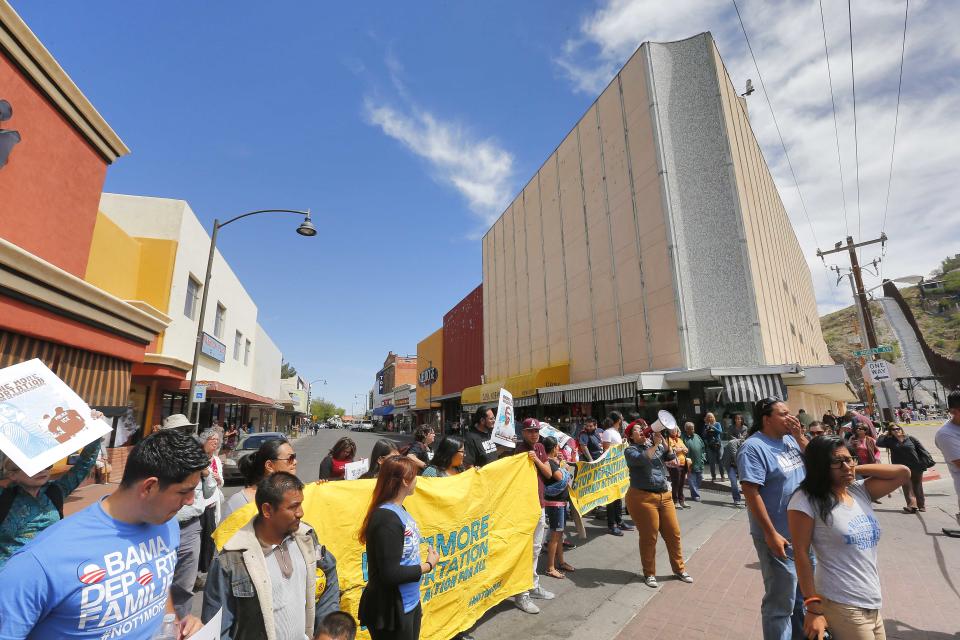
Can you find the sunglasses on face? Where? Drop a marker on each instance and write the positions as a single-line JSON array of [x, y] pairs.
[[766, 405], [837, 463], [816, 433], [290, 458], [896, 429]]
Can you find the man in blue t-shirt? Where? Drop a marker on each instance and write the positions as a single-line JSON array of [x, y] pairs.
[[770, 466], [590, 445], [105, 572]]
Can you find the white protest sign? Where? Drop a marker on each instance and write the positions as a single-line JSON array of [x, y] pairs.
[[548, 431], [41, 419], [211, 630], [878, 370], [504, 432], [353, 470]]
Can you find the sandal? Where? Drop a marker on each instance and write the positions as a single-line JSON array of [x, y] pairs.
[[553, 573], [566, 567], [910, 510]]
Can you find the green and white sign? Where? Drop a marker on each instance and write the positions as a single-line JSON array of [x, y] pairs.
[[884, 348]]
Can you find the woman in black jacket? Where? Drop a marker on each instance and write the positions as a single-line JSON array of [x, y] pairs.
[[910, 452], [390, 604]]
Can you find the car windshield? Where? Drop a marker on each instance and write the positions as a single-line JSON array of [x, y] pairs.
[[254, 442]]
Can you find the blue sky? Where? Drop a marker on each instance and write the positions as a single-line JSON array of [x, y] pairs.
[[407, 127]]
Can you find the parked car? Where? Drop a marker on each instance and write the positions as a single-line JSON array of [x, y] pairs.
[[249, 443]]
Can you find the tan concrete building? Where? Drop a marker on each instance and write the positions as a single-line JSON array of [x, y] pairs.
[[653, 240]]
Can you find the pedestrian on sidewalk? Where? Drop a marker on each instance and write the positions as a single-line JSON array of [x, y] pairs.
[[650, 503], [770, 466], [447, 460], [738, 434], [532, 446], [390, 603], [334, 465], [30, 504], [210, 441], [275, 454], [612, 436], [831, 513], [478, 449], [696, 455], [276, 556], [948, 441], [677, 467], [556, 496], [911, 453], [56, 584], [713, 438], [590, 444], [864, 445]]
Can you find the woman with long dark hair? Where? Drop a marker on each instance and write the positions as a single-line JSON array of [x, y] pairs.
[[447, 460], [832, 512], [273, 455], [390, 603], [911, 453], [382, 449], [342, 452], [864, 445]]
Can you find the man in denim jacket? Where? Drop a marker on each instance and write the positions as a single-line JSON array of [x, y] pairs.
[[272, 579]]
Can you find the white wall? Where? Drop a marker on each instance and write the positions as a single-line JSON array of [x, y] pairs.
[[174, 220], [266, 367]]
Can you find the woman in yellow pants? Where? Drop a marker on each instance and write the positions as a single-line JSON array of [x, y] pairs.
[[650, 502]]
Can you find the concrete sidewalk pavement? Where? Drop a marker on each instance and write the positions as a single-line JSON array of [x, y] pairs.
[[919, 573]]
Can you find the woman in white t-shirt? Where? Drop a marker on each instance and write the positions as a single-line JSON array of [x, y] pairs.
[[613, 435], [832, 512]]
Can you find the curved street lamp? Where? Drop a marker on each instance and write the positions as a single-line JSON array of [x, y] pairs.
[[306, 229]]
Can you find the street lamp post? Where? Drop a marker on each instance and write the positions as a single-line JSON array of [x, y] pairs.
[[306, 228]]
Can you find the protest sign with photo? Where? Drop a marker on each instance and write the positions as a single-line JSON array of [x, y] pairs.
[[552, 432], [504, 431], [41, 419]]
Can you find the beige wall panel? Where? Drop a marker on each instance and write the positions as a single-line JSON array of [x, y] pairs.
[[524, 335], [501, 302], [536, 286], [487, 286], [511, 306], [554, 266]]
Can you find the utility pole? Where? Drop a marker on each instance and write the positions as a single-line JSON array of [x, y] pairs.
[[863, 306]]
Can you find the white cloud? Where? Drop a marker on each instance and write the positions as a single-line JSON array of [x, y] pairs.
[[478, 168], [922, 222]]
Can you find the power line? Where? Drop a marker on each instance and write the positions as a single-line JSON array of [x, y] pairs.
[[836, 128], [856, 143], [896, 118], [775, 123]]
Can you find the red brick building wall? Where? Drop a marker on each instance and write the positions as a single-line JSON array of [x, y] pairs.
[[463, 343]]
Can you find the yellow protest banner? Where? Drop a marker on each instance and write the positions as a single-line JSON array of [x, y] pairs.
[[600, 482], [481, 523]]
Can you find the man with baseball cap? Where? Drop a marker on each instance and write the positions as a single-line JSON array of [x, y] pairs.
[[188, 553], [530, 444]]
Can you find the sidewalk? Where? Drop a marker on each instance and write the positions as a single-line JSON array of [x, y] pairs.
[[919, 574]]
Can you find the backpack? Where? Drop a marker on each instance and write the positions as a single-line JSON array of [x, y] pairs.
[[53, 491], [557, 487]]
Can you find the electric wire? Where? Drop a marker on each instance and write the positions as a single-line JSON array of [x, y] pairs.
[[775, 123], [856, 142], [836, 127]]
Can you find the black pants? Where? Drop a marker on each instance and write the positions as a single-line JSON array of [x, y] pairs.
[[208, 522], [409, 628], [614, 513]]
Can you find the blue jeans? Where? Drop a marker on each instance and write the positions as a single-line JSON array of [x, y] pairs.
[[695, 479], [734, 484], [781, 612]]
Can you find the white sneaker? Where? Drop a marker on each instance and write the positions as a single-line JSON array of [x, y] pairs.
[[525, 604], [685, 577], [651, 581], [542, 594]]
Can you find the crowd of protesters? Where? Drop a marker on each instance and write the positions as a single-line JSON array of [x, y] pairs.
[[808, 485]]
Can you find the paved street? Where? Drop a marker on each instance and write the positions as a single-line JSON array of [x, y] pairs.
[[604, 600]]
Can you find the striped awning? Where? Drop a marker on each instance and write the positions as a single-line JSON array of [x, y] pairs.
[[753, 388], [528, 401], [551, 397], [102, 381]]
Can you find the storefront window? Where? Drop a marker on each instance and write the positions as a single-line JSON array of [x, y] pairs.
[[172, 403], [653, 402]]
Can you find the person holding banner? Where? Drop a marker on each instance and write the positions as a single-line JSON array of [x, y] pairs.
[[447, 460], [556, 496], [334, 465], [390, 604], [650, 502], [612, 430], [382, 449]]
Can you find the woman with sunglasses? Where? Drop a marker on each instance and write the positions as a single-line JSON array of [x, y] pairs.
[[447, 460], [909, 452], [831, 512], [273, 455], [864, 445]]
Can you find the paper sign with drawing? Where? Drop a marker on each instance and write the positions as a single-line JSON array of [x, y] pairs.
[[504, 431], [41, 419]]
